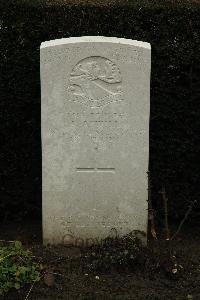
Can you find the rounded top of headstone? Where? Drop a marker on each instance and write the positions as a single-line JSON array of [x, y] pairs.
[[95, 39]]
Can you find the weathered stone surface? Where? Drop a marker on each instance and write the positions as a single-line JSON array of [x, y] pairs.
[[95, 137]]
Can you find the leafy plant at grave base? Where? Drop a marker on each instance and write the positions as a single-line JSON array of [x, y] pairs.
[[116, 253], [16, 267], [128, 254]]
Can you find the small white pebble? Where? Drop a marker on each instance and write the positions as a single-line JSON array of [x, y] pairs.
[[96, 277], [86, 274]]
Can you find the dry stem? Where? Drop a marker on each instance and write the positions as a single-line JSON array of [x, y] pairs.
[[151, 210], [184, 219], [165, 201]]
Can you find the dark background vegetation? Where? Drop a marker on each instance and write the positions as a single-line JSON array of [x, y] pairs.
[[172, 28]]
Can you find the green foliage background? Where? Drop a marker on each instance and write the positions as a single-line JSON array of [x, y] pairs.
[[172, 28]]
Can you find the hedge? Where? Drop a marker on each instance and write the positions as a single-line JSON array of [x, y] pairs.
[[172, 28]]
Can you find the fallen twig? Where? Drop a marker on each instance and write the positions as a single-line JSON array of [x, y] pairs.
[[4, 241], [184, 219], [30, 290], [1, 259]]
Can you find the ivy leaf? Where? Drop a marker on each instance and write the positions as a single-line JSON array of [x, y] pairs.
[[17, 286], [18, 245]]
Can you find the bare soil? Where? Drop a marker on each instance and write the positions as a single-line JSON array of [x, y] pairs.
[[119, 2], [117, 270]]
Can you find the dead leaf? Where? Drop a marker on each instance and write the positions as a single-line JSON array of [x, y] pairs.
[[49, 279], [174, 271]]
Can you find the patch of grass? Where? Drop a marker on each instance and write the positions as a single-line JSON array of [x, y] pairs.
[[16, 267]]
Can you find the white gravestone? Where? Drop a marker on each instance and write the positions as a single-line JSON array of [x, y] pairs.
[[95, 137]]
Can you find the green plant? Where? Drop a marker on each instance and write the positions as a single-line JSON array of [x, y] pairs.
[[16, 267]]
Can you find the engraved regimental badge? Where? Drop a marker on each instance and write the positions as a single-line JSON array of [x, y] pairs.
[[95, 81]]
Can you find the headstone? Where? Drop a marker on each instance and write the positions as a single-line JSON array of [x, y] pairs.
[[95, 138]]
